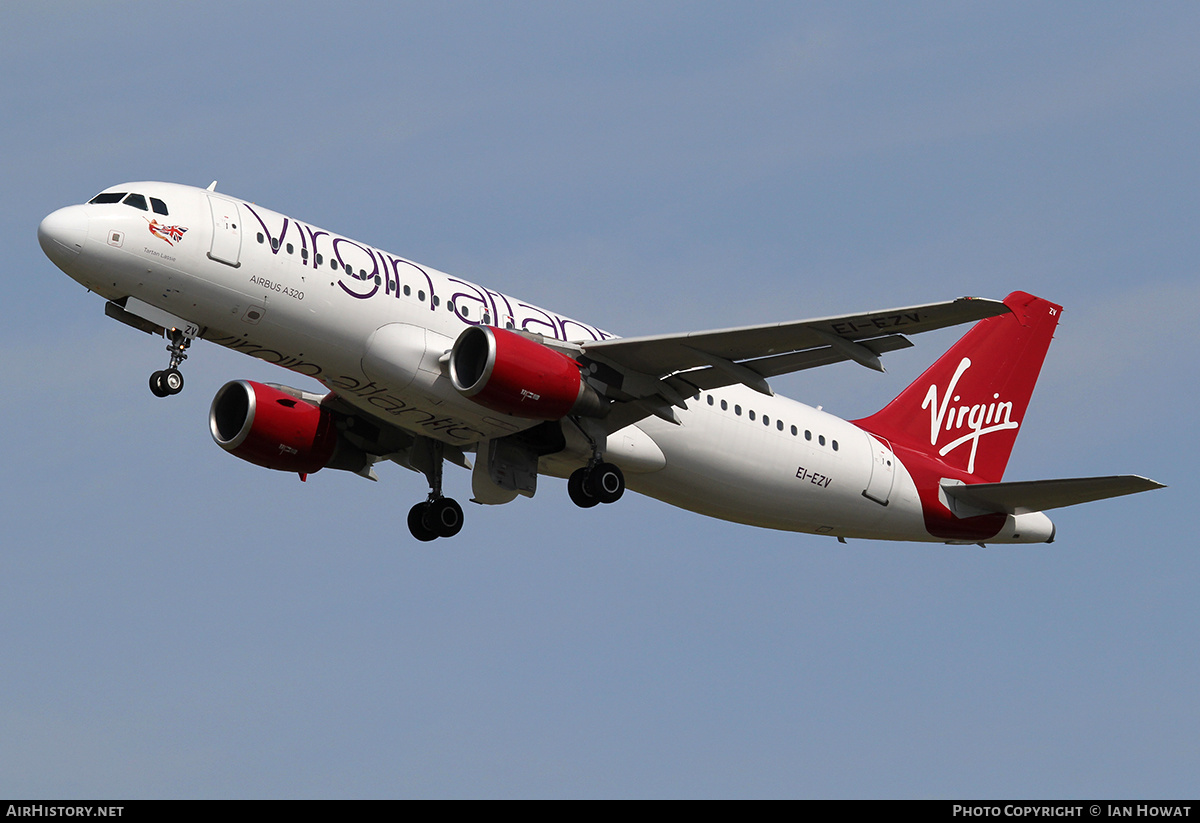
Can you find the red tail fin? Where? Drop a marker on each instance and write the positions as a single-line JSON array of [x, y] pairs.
[[966, 409]]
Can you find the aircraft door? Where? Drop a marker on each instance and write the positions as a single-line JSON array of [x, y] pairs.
[[227, 231], [883, 470]]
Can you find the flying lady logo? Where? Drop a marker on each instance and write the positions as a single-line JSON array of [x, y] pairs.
[[172, 234], [978, 419]]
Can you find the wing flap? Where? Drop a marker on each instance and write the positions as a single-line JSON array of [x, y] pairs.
[[715, 378], [1022, 497]]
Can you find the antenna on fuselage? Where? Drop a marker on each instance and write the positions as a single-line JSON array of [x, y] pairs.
[[212, 186]]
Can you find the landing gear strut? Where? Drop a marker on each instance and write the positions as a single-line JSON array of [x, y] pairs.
[[438, 516], [170, 380]]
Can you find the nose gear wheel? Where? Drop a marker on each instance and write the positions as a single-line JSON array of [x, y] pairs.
[[166, 382], [170, 380]]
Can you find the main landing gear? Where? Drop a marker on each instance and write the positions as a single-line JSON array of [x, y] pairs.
[[595, 484], [438, 516], [170, 380], [598, 481]]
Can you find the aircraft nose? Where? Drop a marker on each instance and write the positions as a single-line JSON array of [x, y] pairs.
[[62, 233]]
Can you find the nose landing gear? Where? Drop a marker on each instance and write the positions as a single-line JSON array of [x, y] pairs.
[[170, 380], [166, 382]]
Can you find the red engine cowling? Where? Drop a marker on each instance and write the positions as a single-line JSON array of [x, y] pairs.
[[274, 429], [510, 373]]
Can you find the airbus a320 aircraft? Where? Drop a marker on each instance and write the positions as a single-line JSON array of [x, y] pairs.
[[424, 368]]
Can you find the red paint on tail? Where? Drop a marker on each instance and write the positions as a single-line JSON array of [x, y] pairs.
[[960, 419]]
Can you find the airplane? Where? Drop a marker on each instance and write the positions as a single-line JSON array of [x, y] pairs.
[[424, 368]]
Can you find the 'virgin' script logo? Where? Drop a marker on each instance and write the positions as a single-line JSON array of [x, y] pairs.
[[978, 419]]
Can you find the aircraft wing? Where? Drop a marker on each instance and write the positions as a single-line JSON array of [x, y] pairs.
[[664, 353], [1021, 497], [657, 371]]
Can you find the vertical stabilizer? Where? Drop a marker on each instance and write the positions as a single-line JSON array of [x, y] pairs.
[[966, 410]]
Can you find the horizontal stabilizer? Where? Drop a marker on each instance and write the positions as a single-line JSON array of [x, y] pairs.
[[1022, 497]]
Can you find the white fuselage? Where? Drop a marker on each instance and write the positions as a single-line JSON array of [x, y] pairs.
[[372, 326]]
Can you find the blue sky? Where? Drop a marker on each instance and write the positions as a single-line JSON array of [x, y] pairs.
[[177, 623]]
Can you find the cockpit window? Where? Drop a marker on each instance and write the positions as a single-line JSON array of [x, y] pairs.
[[138, 201], [159, 206], [108, 197]]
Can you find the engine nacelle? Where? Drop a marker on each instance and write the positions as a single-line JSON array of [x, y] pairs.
[[510, 373], [277, 430]]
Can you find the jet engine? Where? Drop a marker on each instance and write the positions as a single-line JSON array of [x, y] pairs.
[[278, 430], [507, 372]]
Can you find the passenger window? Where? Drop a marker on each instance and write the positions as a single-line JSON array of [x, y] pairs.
[[137, 201], [779, 425], [319, 259], [407, 290], [834, 445], [274, 244], [487, 318], [437, 301], [724, 405], [107, 197], [752, 414], [421, 295], [766, 420], [291, 249], [710, 400], [737, 410], [807, 434], [261, 239], [159, 206], [821, 440], [795, 431]]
